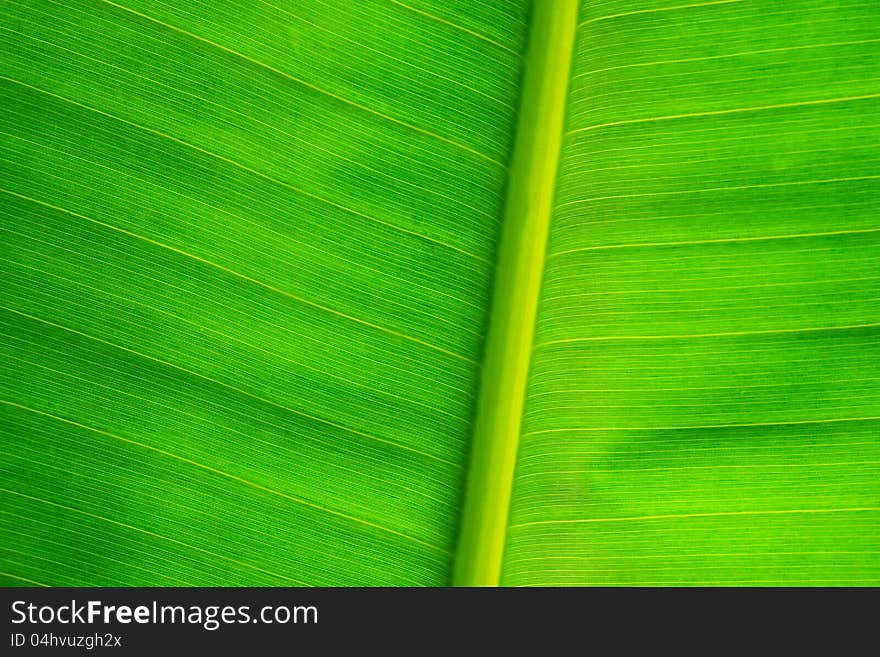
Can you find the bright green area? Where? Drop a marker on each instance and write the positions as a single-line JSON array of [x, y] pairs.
[[703, 406], [252, 256], [247, 251], [515, 298]]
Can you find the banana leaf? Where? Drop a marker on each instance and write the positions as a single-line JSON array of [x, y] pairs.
[[417, 293]]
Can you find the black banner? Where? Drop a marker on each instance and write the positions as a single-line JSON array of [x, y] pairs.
[[417, 621]]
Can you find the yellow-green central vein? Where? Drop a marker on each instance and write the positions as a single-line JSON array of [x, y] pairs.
[[520, 266]]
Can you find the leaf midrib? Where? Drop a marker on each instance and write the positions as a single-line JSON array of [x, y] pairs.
[[520, 265]]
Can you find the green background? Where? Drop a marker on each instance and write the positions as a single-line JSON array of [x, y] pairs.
[[703, 405], [247, 256], [246, 259]]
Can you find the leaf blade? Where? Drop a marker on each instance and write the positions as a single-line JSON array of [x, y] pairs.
[[702, 406], [243, 298]]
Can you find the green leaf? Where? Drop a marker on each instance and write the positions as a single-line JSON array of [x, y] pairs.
[[703, 405], [247, 252], [416, 292]]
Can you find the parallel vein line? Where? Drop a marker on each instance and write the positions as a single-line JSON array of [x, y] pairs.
[[153, 534], [238, 217], [311, 86], [709, 426], [244, 167], [17, 518], [745, 53], [743, 386], [676, 516], [689, 290], [735, 110], [203, 420], [23, 579], [715, 583], [656, 10], [677, 468], [482, 37], [240, 391], [232, 272], [758, 238], [704, 190], [228, 475], [250, 117], [405, 62], [374, 390], [688, 555], [687, 336]]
